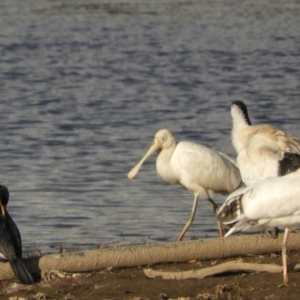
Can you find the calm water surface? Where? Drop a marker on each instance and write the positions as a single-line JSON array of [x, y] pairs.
[[86, 84]]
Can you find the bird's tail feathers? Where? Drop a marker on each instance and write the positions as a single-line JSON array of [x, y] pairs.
[[243, 225], [231, 231], [21, 271], [227, 158], [231, 211]]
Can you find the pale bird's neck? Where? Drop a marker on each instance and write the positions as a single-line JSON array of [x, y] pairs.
[[239, 126], [164, 165]]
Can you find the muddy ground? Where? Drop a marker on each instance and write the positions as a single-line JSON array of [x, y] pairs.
[[131, 283]]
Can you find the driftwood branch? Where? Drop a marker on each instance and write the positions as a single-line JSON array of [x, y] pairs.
[[229, 266], [144, 255]]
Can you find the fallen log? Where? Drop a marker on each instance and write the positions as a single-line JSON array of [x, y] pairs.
[[143, 255]]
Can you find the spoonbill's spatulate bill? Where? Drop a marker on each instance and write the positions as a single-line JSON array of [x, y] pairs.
[[199, 169], [271, 202]]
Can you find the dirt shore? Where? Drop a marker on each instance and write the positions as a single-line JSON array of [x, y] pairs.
[[131, 283]]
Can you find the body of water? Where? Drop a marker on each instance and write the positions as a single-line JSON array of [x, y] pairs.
[[85, 85]]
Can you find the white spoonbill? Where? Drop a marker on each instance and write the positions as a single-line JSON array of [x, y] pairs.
[[271, 202], [263, 150], [199, 169]]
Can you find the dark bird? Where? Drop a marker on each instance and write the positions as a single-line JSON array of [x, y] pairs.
[[10, 240]]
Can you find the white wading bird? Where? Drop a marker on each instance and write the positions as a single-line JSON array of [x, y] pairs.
[[199, 169], [269, 202], [263, 150]]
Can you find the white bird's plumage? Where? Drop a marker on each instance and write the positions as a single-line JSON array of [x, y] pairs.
[[263, 151], [271, 202], [199, 169], [265, 203]]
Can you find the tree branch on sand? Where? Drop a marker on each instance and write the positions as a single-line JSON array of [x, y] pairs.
[[230, 266], [149, 254]]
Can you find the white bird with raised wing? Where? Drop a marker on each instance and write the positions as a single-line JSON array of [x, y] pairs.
[[271, 202], [199, 169], [263, 151]]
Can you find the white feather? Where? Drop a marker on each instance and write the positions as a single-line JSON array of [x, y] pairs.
[[272, 202]]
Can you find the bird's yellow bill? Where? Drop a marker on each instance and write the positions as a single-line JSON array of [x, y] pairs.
[[136, 169], [2, 210]]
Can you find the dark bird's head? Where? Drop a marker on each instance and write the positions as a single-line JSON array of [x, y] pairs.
[[239, 108], [4, 197]]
